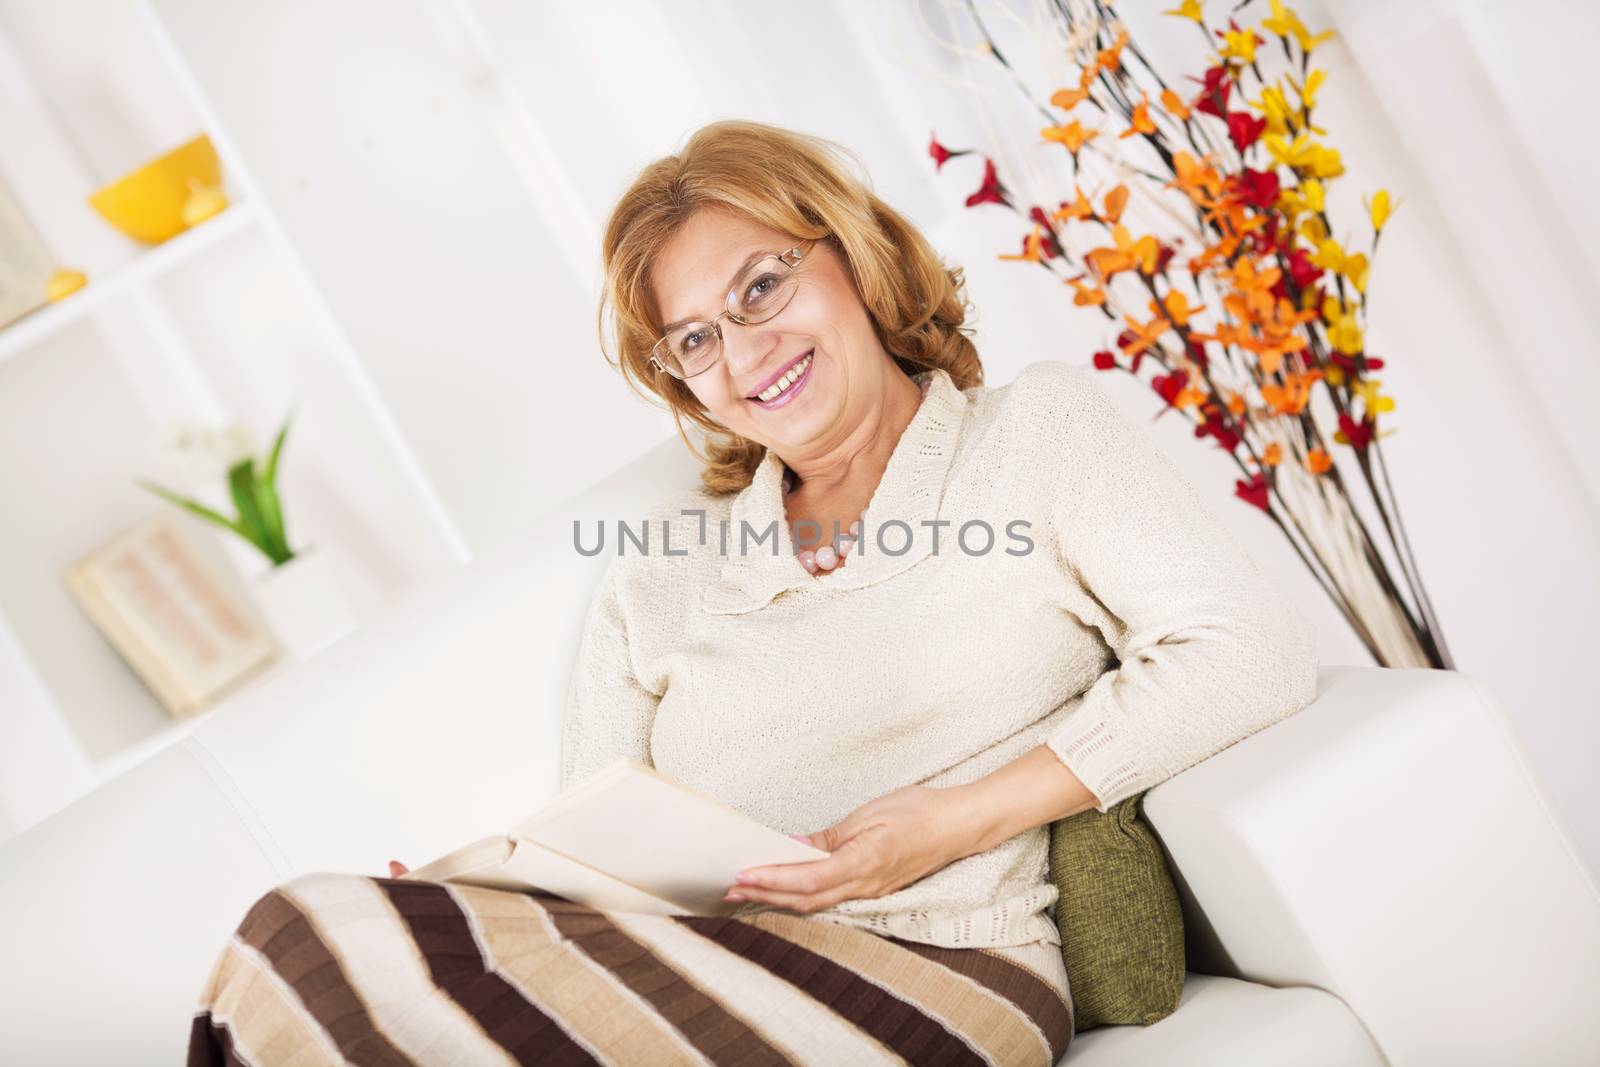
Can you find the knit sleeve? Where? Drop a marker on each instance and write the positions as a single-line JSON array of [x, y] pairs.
[[1209, 650], [609, 713]]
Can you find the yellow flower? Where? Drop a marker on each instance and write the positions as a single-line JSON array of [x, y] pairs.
[[1367, 390], [1325, 162], [1290, 154], [1308, 91], [1345, 335], [1275, 109], [1239, 44], [1311, 189], [1188, 9], [1355, 268], [1282, 21], [1307, 41], [1379, 208], [1334, 374], [1313, 230], [1329, 255]]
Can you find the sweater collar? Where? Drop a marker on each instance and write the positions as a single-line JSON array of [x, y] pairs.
[[911, 489]]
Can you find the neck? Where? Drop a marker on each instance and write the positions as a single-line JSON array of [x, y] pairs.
[[860, 458]]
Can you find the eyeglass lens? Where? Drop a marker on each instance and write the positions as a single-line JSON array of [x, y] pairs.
[[761, 292]]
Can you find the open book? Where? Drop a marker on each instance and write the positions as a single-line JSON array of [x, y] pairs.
[[625, 838]]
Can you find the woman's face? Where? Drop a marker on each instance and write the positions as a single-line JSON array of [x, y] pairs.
[[825, 318]]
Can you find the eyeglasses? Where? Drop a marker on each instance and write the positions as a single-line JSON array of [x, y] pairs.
[[762, 290]]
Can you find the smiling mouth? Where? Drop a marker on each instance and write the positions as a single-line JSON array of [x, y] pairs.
[[795, 372]]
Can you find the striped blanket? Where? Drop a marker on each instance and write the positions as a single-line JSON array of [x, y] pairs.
[[334, 968]]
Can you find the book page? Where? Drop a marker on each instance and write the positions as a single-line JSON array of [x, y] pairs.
[[646, 830], [504, 862]]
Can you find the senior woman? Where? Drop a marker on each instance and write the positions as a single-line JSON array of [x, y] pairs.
[[909, 617]]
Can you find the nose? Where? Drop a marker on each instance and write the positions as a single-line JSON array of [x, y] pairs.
[[745, 348]]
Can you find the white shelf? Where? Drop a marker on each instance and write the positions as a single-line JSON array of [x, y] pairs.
[[221, 323], [50, 320]]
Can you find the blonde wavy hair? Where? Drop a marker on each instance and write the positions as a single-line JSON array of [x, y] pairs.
[[803, 186]]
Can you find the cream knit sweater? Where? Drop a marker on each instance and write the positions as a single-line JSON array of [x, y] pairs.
[[1113, 618]]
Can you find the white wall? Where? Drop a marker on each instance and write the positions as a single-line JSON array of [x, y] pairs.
[[445, 168]]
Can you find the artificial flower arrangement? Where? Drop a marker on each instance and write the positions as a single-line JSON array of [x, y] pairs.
[[1256, 332]]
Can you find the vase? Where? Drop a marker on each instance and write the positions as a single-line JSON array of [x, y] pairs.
[[304, 603]]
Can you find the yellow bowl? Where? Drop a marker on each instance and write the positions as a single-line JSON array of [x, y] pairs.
[[148, 204]]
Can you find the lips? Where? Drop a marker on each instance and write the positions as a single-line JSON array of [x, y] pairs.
[[785, 369]]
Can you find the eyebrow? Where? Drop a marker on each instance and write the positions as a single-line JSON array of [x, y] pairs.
[[748, 260]]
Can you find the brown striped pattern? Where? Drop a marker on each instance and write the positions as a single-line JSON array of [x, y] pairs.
[[340, 968]]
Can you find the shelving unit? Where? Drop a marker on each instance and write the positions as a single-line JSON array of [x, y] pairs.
[[220, 324]]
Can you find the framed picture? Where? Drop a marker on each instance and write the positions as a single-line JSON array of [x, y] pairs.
[[25, 263], [184, 625]]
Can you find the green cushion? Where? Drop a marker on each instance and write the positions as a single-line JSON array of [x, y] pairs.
[[1118, 913]]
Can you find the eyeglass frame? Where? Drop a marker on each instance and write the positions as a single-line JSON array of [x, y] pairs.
[[716, 322]]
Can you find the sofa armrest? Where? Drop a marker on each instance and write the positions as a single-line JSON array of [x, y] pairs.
[[1389, 844]]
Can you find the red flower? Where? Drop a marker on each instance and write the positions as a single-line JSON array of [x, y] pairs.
[[1244, 128], [1104, 360], [940, 153], [1126, 338], [991, 191], [1302, 271], [1215, 84], [1215, 425], [1358, 434], [1170, 385], [1258, 188], [1164, 253], [1047, 237], [1254, 491], [1197, 352], [1355, 364]]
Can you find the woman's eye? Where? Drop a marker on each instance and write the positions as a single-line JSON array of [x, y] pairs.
[[755, 289]]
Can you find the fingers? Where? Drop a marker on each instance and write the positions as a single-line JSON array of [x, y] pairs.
[[396, 868]]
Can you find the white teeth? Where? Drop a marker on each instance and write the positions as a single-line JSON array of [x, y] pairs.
[[772, 391]]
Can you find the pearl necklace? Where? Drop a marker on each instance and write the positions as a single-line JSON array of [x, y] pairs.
[[824, 557], [827, 557]]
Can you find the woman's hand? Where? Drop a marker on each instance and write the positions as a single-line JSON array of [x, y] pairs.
[[396, 868], [880, 847]]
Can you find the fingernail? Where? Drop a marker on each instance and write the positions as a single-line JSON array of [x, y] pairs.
[[734, 898], [801, 838]]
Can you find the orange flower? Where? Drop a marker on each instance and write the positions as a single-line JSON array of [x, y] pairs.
[[1140, 121], [1033, 247], [1086, 295], [1292, 396], [1073, 135], [1318, 461], [1067, 99], [1127, 254], [1116, 200], [1144, 334], [1080, 208], [1111, 58], [1246, 278], [1272, 455], [1174, 105], [1175, 305]]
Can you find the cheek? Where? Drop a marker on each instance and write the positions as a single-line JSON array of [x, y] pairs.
[[716, 395]]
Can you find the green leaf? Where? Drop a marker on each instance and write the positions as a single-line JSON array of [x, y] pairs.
[[195, 507], [241, 483], [267, 494]]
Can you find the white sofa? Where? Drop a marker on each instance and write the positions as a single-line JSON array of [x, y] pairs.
[[1375, 880]]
